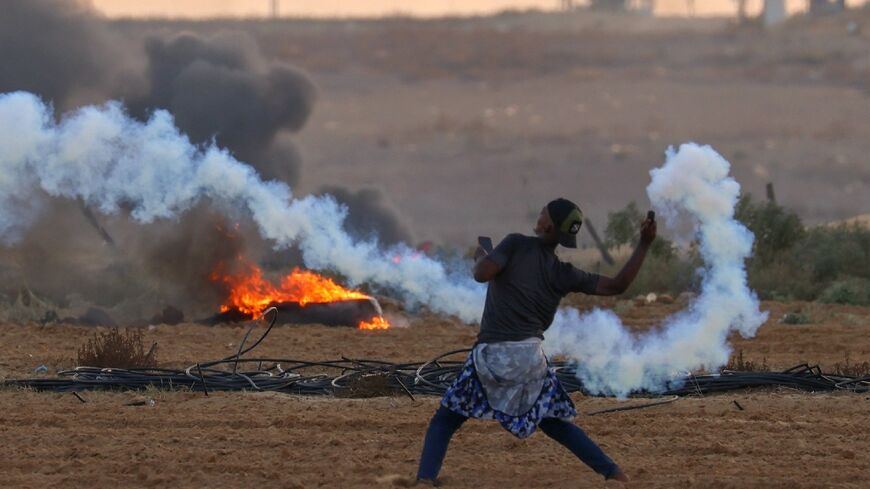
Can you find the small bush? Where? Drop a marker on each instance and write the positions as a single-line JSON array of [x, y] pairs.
[[114, 349], [623, 229], [739, 364], [849, 369], [623, 226], [782, 280], [775, 228], [795, 318], [855, 291]]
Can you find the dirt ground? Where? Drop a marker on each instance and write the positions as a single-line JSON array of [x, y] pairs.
[[782, 439]]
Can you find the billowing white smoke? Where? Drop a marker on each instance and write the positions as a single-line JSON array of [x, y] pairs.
[[109, 160], [693, 186]]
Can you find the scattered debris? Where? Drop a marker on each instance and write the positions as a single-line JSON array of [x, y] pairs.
[[738, 405], [80, 398], [40, 369], [141, 401], [634, 406]]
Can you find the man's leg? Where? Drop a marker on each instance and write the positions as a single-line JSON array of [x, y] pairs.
[[574, 439], [441, 428]]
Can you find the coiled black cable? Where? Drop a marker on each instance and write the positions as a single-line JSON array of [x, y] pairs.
[[432, 377]]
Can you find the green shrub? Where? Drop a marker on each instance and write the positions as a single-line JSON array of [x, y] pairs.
[[795, 318], [775, 228], [673, 275], [623, 229], [623, 226], [782, 280], [824, 263], [831, 252], [852, 290]]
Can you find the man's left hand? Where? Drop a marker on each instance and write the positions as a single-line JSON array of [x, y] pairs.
[[647, 231]]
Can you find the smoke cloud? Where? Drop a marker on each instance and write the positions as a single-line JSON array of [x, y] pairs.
[[693, 186], [111, 161], [218, 87], [221, 88], [54, 48], [369, 215]]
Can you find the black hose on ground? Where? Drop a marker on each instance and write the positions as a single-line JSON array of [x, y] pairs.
[[432, 377]]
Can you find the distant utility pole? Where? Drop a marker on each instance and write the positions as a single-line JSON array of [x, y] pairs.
[[274, 8], [774, 12], [771, 195], [566, 4], [741, 10], [645, 6]]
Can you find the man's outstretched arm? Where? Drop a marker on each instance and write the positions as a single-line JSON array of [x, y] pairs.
[[622, 280]]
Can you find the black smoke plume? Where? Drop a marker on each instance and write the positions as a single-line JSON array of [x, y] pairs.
[[54, 48], [221, 88]]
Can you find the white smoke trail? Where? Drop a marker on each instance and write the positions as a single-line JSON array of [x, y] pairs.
[[692, 185], [109, 160]]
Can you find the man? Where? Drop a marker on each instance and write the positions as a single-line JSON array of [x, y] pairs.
[[506, 377]]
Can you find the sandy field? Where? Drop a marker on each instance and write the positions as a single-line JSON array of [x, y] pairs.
[[783, 438]]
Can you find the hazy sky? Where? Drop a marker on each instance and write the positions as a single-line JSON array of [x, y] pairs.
[[210, 8]]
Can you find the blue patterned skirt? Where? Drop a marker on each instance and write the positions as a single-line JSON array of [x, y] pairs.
[[467, 397]]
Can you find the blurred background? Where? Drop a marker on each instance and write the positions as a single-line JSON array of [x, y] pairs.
[[470, 115], [375, 8]]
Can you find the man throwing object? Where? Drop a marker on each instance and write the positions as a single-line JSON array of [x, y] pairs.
[[506, 377]]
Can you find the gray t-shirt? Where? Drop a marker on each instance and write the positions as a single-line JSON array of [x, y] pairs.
[[522, 299]]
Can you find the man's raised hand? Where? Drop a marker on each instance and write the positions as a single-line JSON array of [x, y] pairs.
[[648, 229]]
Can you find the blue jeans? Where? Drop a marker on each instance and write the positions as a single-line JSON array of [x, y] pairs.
[[446, 422]]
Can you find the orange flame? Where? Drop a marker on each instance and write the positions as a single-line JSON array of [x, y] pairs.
[[377, 322], [252, 294]]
